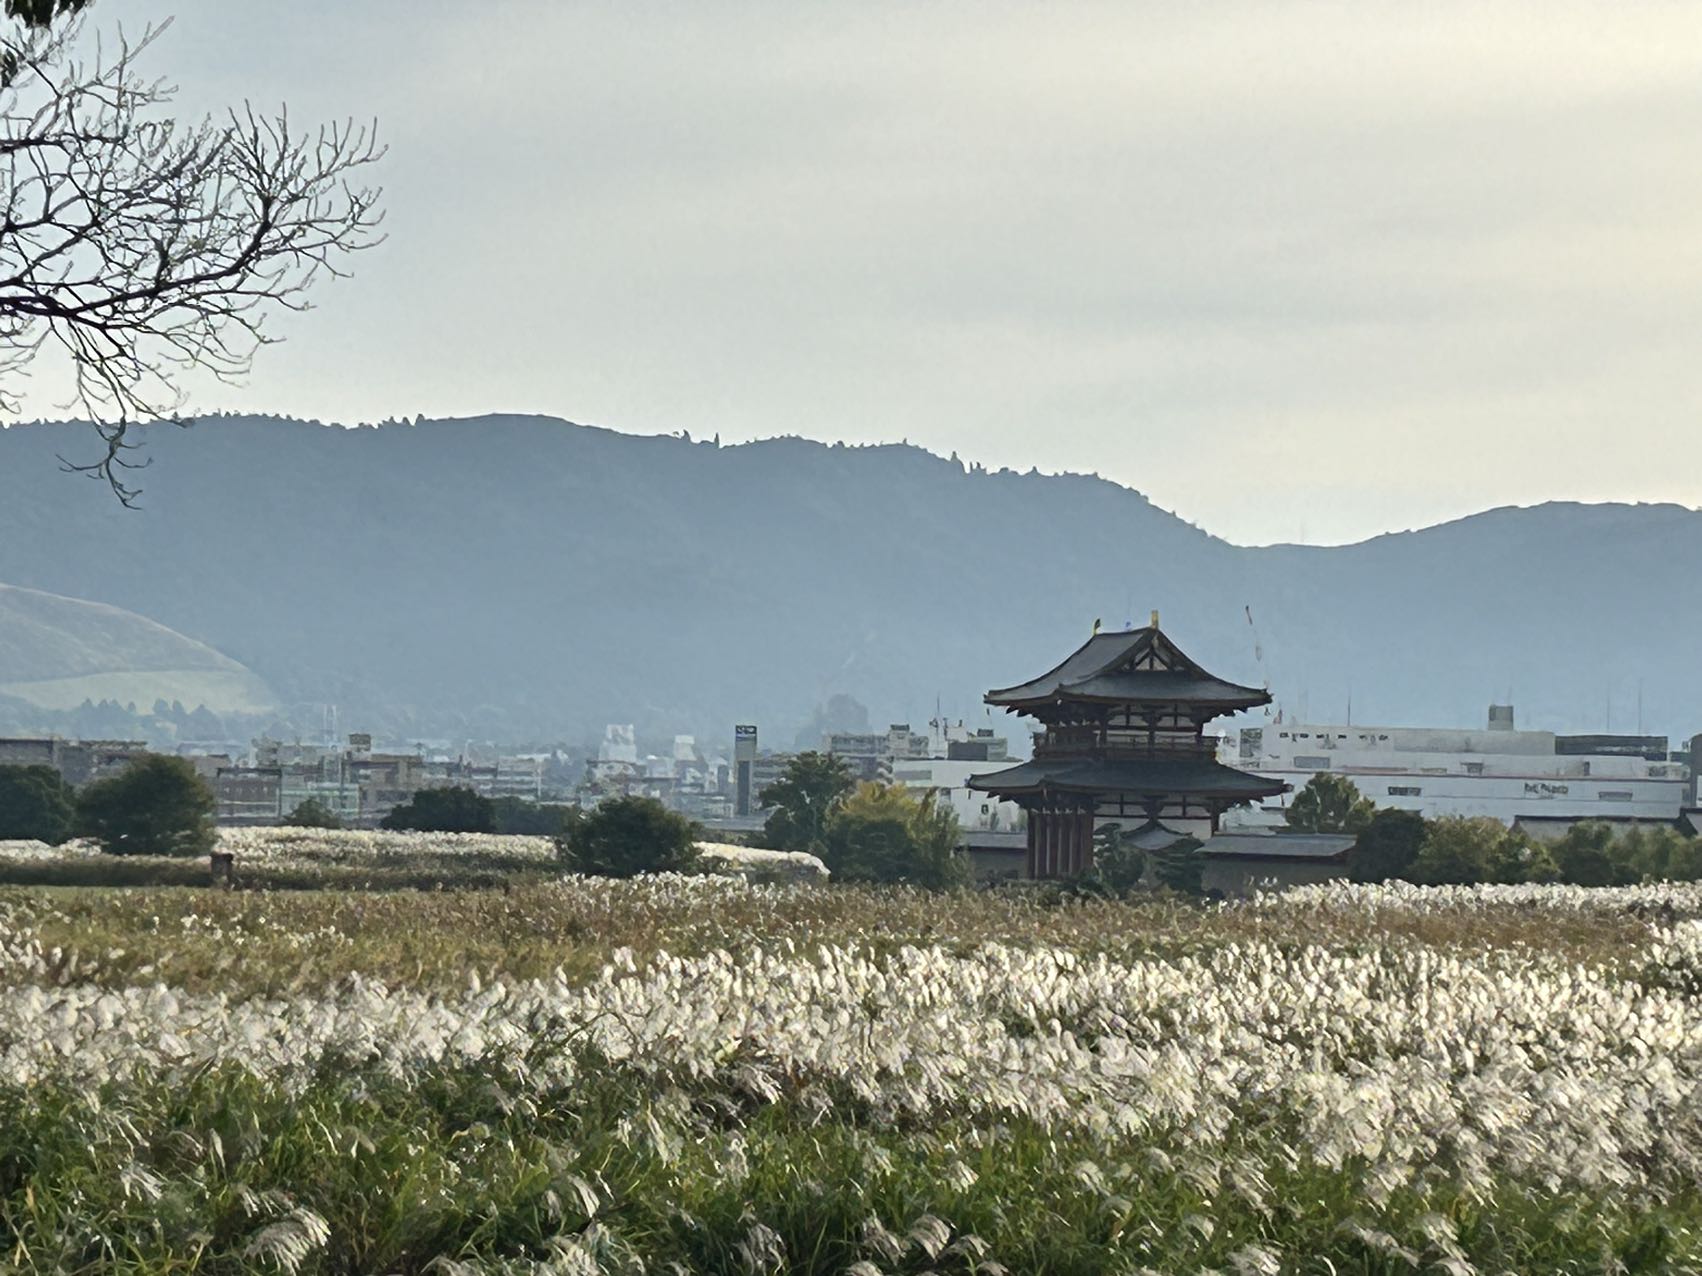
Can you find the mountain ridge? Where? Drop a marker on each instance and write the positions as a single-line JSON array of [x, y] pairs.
[[524, 576]]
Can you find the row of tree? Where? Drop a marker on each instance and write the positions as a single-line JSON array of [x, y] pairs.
[[621, 837], [157, 805], [1461, 850], [869, 832], [160, 805]]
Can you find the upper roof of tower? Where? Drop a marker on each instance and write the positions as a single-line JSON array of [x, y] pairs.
[[1136, 666]]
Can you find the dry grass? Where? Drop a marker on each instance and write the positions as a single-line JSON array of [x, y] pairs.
[[248, 942]]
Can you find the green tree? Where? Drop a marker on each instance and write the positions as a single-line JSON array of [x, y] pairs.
[[1180, 867], [453, 810], [1118, 864], [804, 797], [533, 819], [1662, 855], [1329, 804], [311, 813], [881, 833], [157, 805], [626, 836], [1388, 847], [36, 805], [1586, 855], [1461, 851]]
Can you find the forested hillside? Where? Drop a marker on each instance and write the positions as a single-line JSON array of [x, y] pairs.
[[521, 576]]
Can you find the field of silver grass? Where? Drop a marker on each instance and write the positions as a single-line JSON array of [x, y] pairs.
[[1321, 1084]]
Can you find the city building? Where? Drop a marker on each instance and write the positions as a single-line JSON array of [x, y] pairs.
[[948, 780], [1234, 865], [745, 787], [768, 769], [617, 761], [869, 755], [1123, 742], [358, 786], [1535, 778], [874, 756], [504, 776], [76, 761], [979, 745], [248, 795]]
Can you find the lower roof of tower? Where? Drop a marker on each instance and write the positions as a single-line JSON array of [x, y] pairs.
[[1140, 777]]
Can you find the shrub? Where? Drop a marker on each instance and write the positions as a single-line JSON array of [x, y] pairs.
[[1587, 856], [158, 805], [1180, 867], [455, 810], [626, 836], [1387, 847], [1118, 865], [1662, 855], [883, 834], [1462, 851], [313, 814], [36, 805], [533, 819]]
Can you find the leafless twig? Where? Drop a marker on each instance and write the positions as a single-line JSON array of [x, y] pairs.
[[140, 245]]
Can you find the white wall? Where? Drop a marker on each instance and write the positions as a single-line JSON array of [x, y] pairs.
[[950, 780], [1500, 774]]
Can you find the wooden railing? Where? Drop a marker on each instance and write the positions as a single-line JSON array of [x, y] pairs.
[[1082, 742]]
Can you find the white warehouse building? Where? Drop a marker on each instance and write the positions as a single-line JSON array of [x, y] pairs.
[[1500, 772]]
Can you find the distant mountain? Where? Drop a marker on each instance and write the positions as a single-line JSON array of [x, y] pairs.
[[521, 576], [57, 652]]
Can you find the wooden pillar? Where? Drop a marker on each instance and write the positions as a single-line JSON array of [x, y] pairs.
[[1033, 842]]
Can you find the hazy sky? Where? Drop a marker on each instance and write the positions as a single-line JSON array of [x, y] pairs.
[[1291, 270]]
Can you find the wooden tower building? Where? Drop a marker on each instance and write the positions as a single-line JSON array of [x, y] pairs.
[[1124, 743]]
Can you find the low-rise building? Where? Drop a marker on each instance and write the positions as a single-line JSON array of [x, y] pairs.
[[876, 755], [1234, 865], [948, 780], [869, 755], [1496, 771], [76, 761], [248, 795]]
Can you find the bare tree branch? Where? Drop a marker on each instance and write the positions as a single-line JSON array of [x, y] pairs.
[[139, 246]]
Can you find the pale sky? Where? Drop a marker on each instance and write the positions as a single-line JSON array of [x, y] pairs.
[[1291, 270]]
